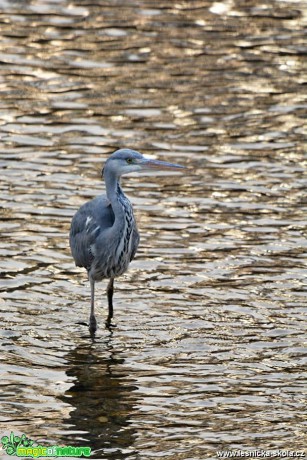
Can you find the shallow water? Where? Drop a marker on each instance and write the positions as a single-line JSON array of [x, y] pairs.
[[208, 353]]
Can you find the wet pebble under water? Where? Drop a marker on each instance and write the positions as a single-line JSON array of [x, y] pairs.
[[208, 353]]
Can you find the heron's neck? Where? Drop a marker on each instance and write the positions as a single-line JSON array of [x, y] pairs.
[[115, 195], [112, 182]]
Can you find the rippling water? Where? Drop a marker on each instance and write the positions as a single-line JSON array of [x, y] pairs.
[[208, 353]]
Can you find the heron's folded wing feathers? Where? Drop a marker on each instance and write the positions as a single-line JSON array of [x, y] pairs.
[[135, 242], [88, 223]]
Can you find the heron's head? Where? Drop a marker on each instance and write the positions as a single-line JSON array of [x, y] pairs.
[[125, 161]]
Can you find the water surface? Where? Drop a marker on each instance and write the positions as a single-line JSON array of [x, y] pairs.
[[208, 353]]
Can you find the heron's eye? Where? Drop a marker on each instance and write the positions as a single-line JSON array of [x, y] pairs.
[[129, 160]]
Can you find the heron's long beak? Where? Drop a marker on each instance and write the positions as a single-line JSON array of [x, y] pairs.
[[160, 165]]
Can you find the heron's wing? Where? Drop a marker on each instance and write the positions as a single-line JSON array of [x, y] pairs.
[[135, 242], [87, 224]]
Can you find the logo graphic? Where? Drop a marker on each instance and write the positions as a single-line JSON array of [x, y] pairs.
[[10, 444], [22, 446]]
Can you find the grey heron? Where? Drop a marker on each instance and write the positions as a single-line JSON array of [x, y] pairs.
[[103, 234]]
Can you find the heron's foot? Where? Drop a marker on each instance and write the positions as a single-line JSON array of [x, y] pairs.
[[92, 324], [109, 324]]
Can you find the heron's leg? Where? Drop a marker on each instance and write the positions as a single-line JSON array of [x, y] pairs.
[[110, 291], [93, 322]]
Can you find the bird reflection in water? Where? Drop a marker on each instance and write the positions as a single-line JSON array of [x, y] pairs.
[[103, 400]]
